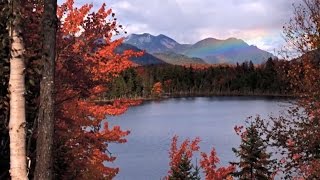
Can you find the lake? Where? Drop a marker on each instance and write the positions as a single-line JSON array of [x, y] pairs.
[[153, 124]]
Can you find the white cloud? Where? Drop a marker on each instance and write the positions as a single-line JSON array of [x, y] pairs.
[[256, 21], [123, 5]]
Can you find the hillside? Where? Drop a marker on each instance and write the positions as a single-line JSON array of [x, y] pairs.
[[153, 44], [231, 50], [178, 59], [146, 59], [211, 50]]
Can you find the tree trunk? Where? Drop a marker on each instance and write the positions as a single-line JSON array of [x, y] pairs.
[[17, 122], [44, 159]]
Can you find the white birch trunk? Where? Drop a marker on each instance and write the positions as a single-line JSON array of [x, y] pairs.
[[17, 123]]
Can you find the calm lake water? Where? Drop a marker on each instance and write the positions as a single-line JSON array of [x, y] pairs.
[[153, 124]]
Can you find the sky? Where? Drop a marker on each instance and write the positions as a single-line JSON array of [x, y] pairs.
[[258, 22]]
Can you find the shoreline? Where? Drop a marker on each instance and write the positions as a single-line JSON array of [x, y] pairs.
[[194, 95]]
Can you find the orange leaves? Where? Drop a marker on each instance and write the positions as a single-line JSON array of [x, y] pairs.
[[103, 13], [209, 166], [157, 89], [115, 134], [98, 89], [86, 62], [210, 161], [187, 148], [73, 17], [207, 163]]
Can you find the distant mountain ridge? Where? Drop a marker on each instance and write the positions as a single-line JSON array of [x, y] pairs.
[[211, 50], [145, 59], [179, 59], [154, 44]]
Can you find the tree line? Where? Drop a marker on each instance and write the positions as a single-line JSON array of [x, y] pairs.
[[294, 135], [269, 78], [53, 68]]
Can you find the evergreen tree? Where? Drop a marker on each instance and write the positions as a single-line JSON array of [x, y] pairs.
[[185, 171], [254, 162]]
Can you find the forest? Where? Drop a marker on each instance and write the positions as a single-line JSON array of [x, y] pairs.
[[268, 79], [58, 61]]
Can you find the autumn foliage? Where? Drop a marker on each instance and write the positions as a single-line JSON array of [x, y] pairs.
[[86, 61], [210, 169], [157, 89], [296, 133], [208, 163], [187, 148]]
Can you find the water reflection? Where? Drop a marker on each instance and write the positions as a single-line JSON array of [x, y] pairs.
[[154, 123]]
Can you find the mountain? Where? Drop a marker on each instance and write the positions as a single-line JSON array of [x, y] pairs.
[[154, 44], [231, 50], [211, 50], [178, 59], [146, 59]]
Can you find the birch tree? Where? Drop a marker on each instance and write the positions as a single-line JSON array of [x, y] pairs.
[[17, 122]]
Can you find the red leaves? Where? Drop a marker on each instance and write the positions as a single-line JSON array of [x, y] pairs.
[[187, 148], [207, 163], [86, 62], [209, 166], [157, 89], [72, 17]]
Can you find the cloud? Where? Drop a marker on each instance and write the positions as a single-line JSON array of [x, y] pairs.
[[188, 21]]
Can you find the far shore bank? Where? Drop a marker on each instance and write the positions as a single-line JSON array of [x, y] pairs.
[[194, 95]]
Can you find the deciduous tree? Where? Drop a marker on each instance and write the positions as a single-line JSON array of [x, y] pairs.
[[17, 122], [296, 133], [157, 89], [210, 169], [86, 62], [182, 168], [180, 160]]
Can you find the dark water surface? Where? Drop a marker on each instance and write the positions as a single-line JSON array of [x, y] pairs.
[[153, 124]]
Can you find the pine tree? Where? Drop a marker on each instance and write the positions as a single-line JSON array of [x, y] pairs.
[[254, 162], [196, 173], [185, 171], [181, 167]]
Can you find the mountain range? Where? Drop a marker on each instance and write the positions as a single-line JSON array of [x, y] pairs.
[[163, 49], [145, 59]]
